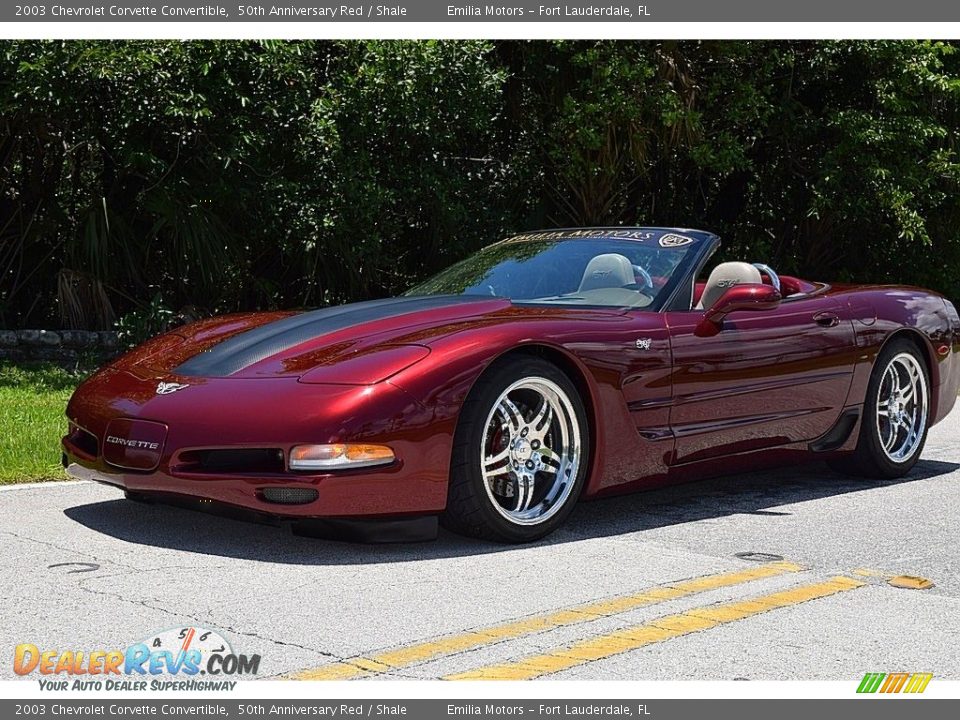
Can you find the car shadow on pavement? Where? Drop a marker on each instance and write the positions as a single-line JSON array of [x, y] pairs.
[[758, 493]]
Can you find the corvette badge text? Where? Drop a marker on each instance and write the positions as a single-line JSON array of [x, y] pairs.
[[202, 658], [143, 444]]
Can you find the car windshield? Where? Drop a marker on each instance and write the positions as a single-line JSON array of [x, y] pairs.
[[608, 268]]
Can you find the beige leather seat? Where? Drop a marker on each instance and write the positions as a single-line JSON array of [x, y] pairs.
[[610, 270], [725, 276]]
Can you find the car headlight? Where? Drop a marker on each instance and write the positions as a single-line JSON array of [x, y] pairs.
[[339, 456]]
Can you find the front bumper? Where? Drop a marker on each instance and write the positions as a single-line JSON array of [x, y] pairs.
[[269, 416], [415, 528]]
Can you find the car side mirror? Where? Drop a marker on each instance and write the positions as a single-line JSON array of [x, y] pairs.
[[751, 296]]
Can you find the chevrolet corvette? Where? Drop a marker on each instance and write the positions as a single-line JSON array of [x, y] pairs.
[[549, 367]]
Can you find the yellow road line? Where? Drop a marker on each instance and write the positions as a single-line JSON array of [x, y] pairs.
[[420, 652], [870, 572], [665, 628]]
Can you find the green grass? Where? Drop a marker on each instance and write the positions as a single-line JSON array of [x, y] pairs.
[[32, 403]]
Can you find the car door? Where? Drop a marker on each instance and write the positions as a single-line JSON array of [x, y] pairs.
[[767, 378]]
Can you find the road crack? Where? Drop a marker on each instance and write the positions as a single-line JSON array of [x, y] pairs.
[[198, 619]]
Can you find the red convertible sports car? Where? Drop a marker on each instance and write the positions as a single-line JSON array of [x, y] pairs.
[[548, 367]]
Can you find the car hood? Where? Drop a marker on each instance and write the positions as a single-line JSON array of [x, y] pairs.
[[374, 337]]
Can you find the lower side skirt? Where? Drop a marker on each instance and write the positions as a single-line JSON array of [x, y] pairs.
[[841, 431]]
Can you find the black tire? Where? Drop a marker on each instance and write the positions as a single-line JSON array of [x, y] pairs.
[[470, 507], [870, 460]]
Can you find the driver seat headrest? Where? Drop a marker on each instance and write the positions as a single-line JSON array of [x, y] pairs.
[[725, 276], [610, 270]]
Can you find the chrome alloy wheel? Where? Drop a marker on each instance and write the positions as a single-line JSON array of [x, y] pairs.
[[530, 451], [902, 407]]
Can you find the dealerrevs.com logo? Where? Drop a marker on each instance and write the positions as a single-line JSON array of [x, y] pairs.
[[190, 658]]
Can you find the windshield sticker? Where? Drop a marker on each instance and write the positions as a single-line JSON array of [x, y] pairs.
[[597, 233], [671, 240]]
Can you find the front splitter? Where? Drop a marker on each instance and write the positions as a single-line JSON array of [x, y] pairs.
[[421, 528]]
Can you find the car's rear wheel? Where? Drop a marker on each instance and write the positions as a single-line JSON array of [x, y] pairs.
[[895, 419], [520, 453]]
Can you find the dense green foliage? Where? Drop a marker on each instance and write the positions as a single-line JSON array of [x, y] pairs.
[[138, 179]]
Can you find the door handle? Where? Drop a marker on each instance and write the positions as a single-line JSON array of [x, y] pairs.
[[826, 319]]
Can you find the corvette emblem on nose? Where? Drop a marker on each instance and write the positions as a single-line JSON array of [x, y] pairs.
[[165, 388]]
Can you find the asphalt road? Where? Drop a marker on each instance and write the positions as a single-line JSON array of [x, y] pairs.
[[678, 602]]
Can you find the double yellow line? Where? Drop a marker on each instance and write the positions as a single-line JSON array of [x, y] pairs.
[[665, 628], [603, 646]]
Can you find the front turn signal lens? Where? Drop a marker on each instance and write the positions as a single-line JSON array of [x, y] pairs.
[[339, 456]]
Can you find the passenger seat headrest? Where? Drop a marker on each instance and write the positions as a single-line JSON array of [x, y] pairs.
[[725, 276]]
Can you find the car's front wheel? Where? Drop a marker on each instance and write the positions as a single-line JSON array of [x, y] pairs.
[[520, 453], [895, 420]]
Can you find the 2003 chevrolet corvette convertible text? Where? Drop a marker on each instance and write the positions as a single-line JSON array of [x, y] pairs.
[[547, 367]]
